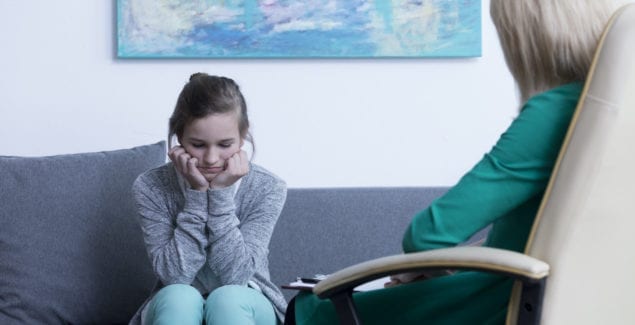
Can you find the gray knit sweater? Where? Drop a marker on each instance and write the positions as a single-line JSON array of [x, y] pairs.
[[213, 238]]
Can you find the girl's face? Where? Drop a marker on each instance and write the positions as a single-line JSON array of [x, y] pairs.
[[212, 140]]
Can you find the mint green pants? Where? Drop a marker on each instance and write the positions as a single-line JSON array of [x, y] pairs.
[[230, 304]]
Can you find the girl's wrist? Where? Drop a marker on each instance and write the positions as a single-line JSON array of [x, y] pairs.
[[195, 201], [201, 188], [217, 186]]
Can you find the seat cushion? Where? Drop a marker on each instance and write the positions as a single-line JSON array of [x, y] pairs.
[[71, 249]]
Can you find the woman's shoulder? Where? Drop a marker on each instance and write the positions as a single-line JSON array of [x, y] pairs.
[[557, 102], [569, 92]]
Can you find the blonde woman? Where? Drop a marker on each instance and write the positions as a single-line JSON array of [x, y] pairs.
[[548, 46]]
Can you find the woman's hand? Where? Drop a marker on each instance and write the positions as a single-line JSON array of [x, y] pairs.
[[236, 167], [404, 278], [186, 165]]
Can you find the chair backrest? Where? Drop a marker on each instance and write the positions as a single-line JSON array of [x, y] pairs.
[[585, 228]]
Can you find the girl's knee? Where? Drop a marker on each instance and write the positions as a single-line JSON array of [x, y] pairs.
[[177, 303], [227, 296], [234, 304], [181, 294]]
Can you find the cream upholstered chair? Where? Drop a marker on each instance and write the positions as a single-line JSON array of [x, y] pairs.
[[578, 267]]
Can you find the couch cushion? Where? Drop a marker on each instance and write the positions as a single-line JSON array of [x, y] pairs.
[[71, 249]]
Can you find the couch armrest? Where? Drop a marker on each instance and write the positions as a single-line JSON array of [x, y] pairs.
[[513, 264]]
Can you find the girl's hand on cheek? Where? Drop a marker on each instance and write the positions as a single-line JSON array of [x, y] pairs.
[[236, 167], [186, 166]]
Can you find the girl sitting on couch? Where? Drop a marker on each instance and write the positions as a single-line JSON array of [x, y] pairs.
[[208, 215]]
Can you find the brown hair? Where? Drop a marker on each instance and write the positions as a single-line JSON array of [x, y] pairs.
[[204, 95]]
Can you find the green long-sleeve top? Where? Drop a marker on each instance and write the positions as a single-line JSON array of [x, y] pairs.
[[503, 189], [506, 186]]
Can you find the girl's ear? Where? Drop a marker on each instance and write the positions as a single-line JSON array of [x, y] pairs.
[[173, 141], [242, 141]]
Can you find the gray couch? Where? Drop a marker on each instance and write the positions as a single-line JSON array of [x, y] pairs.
[[71, 249]]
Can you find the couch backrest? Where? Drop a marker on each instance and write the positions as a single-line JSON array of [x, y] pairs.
[[71, 249], [322, 230]]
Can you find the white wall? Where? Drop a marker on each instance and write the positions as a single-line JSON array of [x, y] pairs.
[[317, 123]]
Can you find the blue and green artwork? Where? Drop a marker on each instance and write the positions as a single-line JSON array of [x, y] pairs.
[[298, 28]]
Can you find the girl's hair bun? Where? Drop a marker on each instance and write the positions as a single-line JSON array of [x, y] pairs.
[[197, 75]]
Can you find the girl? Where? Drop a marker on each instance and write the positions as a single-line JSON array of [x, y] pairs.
[[208, 215]]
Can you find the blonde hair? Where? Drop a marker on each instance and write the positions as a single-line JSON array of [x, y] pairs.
[[548, 43]]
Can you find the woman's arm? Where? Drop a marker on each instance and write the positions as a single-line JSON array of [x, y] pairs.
[[176, 248], [239, 248], [513, 173]]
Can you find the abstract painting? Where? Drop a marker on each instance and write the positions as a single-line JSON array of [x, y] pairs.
[[298, 28]]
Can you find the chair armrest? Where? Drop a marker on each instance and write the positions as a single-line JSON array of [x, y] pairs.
[[494, 260]]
